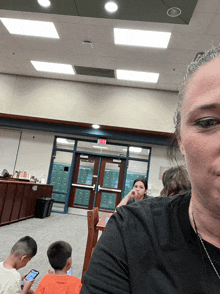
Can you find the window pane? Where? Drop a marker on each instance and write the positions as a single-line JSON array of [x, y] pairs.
[[108, 201], [138, 152], [59, 197], [60, 175], [111, 175], [82, 197], [64, 143], [85, 171], [107, 149]]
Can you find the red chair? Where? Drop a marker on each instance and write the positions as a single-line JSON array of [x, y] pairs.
[[93, 218]]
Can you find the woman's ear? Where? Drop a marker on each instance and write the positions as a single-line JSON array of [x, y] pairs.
[[182, 150]]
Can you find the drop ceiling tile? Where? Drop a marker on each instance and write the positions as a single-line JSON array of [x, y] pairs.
[[66, 7], [170, 78], [186, 7], [207, 6], [143, 10], [168, 87], [214, 25], [171, 63], [199, 22], [186, 41], [10, 13]]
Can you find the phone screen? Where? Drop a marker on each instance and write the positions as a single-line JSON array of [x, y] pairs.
[[30, 276], [70, 271]]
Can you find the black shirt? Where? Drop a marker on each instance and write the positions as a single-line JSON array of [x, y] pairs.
[[132, 200], [150, 247]]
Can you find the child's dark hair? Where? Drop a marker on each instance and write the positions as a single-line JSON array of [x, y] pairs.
[[143, 180], [58, 253], [25, 246]]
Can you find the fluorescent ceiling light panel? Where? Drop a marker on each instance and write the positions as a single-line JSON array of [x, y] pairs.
[[141, 38], [53, 67], [30, 27], [138, 76]]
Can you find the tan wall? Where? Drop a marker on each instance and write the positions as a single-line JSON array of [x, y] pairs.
[[88, 103], [34, 154]]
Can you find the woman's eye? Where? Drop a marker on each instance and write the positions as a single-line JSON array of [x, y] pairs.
[[207, 123]]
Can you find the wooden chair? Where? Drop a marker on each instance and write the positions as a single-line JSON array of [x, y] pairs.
[[93, 218]]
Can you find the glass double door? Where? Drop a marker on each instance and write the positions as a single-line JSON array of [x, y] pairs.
[[97, 182]]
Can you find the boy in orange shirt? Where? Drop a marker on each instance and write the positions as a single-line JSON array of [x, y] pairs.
[[59, 255]]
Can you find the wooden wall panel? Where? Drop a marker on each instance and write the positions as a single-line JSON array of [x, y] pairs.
[[3, 188], [19, 192], [31, 200], [18, 199], [9, 202], [24, 205]]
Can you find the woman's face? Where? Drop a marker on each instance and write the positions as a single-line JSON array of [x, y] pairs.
[[199, 137], [140, 188]]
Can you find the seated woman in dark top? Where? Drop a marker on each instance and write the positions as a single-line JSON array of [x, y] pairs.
[[175, 181], [137, 193]]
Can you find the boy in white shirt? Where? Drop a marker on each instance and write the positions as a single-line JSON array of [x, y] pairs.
[[10, 279]]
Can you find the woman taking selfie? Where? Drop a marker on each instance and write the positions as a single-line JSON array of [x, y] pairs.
[[172, 245]]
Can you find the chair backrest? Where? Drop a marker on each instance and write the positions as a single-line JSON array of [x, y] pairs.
[[93, 218]]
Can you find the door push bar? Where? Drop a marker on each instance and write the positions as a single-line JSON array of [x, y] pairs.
[[106, 189], [83, 186]]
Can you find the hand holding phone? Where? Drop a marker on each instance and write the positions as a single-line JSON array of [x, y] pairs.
[[30, 277]]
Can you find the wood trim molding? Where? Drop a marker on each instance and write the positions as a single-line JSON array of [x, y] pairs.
[[84, 125]]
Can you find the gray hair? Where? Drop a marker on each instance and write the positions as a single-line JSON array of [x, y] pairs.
[[191, 69], [25, 246]]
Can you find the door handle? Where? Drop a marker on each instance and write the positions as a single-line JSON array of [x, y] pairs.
[[83, 186], [107, 189]]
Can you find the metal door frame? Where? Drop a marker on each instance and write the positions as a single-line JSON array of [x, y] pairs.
[[74, 151]]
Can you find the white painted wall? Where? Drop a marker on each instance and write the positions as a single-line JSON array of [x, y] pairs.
[[9, 141], [159, 159], [88, 103], [35, 153], [32, 155]]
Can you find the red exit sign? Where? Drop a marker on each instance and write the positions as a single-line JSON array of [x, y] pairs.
[[101, 141]]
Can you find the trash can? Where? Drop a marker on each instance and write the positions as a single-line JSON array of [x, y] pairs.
[[50, 206], [41, 208]]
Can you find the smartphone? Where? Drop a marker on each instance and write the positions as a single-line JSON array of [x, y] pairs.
[[30, 276]]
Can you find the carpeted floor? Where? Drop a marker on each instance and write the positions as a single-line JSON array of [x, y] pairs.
[[67, 227]]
